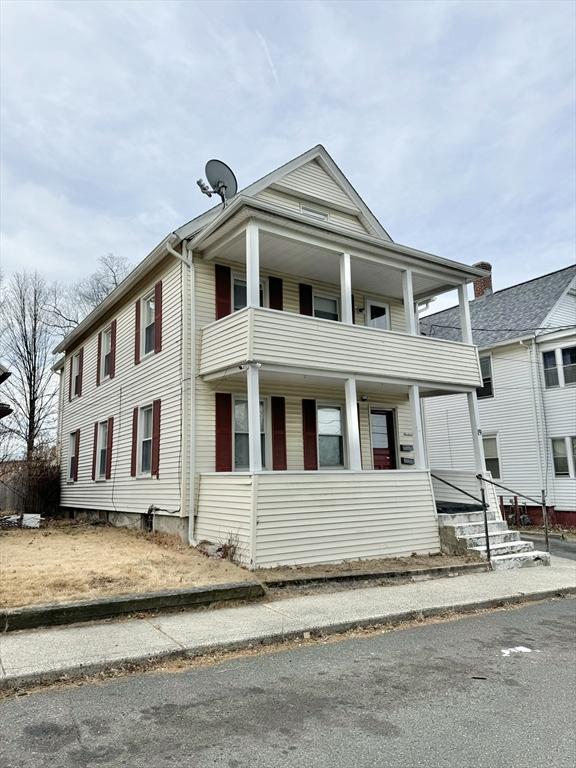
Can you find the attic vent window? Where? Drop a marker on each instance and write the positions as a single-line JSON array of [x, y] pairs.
[[314, 212]]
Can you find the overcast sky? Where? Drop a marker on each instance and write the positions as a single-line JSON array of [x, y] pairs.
[[454, 121]]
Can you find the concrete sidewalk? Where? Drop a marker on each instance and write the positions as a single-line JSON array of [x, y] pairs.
[[42, 655]]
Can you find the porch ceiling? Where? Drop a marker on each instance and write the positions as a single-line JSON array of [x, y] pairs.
[[307, 261]]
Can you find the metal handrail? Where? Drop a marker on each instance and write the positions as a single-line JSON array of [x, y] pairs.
[[481, 501], [540, 503]]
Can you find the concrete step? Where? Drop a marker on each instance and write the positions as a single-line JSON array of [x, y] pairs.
[[520, 560], [479, 540], [464, 517], [507, 548], [471, 529]]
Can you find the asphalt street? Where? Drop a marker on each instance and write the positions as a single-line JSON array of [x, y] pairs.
[[489, 691], [559, 547]]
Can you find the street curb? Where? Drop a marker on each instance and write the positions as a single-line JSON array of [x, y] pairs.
[[417, 574], [89, 610], [78, 672]]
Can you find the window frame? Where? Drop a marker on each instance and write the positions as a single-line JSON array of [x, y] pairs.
[[240, 276], [139, 455], [496, 437], [101, 445], [72, 453], [342, 409], [151, 295], [551, 368], [479, 389], [326, 295], [564, 366], [267, 454], [570, 448], [106, 334], [367, 304], [75, 363]]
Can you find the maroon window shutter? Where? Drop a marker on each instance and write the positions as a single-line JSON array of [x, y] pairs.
[[70, 377], [278, 433], [223, 432], [95, 451], [275, 293], [99, 361], [309, 434], [134, 456], [77, 461], [112, 368], [158, 317], [137, 332], [80, 370], [155, 469], [109, 448], [223, 282], [306, 302]]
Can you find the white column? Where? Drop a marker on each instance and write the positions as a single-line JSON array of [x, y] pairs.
[[252, 265], [465, 323], [346, 288], [419, 453], [408, 294], [479, 461], [352, 427], [254, 444]]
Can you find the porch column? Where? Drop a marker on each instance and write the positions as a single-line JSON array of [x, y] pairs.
[[254, 444], [408, 295], [419, 453], [346, 288], [252, 265], [352, 427], [479, 462], [465, 323]]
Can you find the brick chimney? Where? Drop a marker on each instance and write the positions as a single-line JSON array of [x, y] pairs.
[[483, 285]]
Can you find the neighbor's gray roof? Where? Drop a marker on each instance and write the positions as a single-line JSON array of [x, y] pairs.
[[511, 313]]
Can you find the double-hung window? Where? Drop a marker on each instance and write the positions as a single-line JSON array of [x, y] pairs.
[[106, 360], [486, 390], [569, 365], [73, 446], [76, 375], [330, 436], [102, 450], [145, 432], [491, 455], [560, 457], [326, 307], [239, 293], [148, 322], [550, 369], [241, 439]]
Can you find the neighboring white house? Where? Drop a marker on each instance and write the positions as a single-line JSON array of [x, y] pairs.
[[526, 336], [259, 376]]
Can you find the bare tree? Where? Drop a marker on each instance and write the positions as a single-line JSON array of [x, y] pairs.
[[27, 339], [70, 304]]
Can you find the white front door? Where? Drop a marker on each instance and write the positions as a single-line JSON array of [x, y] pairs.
[[378, 315]]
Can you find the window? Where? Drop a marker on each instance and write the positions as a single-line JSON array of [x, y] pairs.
[[148, 319], [550, 369], [326, 307], [241, 440], [76, 375], [315, 213], [73, 446], [486, 389], [102, 449], [106, 360], [330, 438], [146, 440], [491, 456], [378, 315], [569, 365], [560, 457], [239, 294]]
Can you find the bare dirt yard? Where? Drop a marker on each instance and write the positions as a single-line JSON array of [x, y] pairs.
[[79, 561]]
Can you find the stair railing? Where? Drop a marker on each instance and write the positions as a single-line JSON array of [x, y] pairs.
[[539, 502], [481, 501]]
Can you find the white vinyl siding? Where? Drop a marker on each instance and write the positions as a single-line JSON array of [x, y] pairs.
[[225, 509], [290, 203], [312, 180]]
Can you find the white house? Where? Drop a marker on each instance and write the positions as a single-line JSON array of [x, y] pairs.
[[259, 376], [526, 336]]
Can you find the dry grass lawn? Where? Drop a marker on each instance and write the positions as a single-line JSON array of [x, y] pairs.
[[79, 561]]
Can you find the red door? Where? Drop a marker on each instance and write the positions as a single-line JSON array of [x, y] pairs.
[[383, 439]]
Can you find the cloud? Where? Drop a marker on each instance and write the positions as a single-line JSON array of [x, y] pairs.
[[454, 121]]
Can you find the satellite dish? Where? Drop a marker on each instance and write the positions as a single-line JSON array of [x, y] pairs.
[[221, 179]]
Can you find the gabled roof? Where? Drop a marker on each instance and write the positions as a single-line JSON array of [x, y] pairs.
[[316, 154], [512, 313]]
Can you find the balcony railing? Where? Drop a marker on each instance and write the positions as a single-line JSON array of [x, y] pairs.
[[284, 339]]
